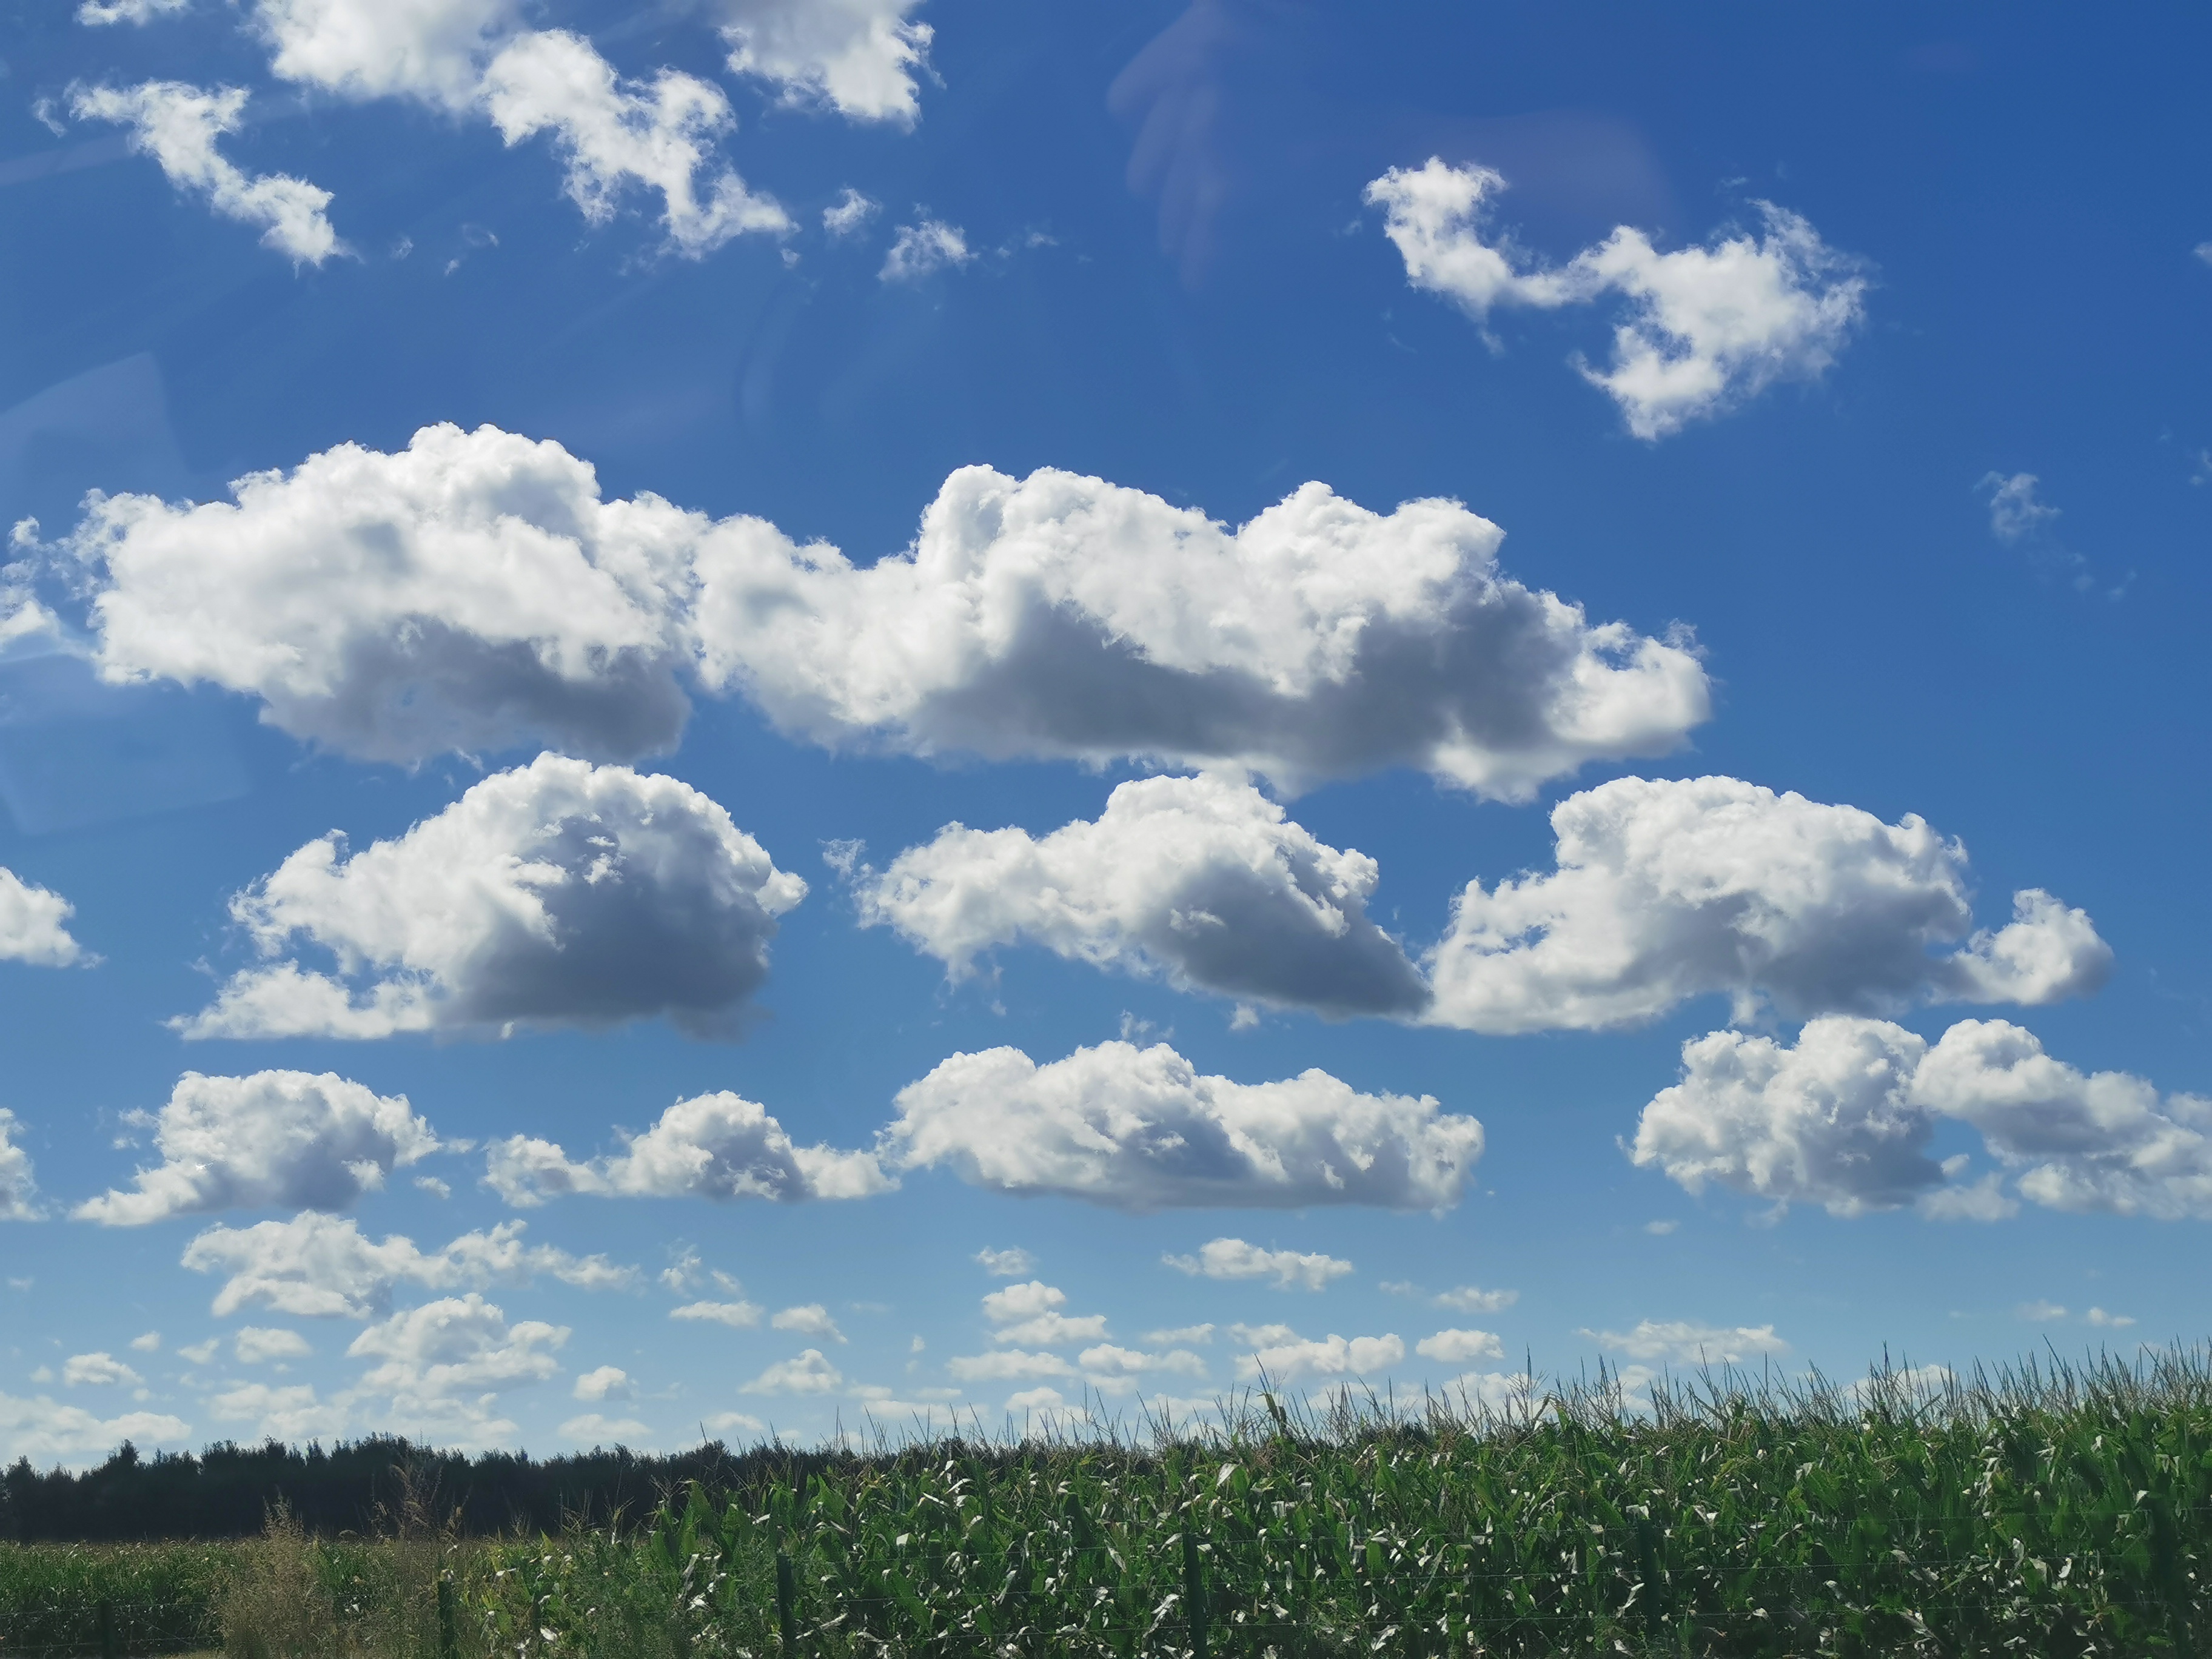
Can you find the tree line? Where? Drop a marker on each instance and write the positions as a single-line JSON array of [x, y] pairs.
[[380, 1484]]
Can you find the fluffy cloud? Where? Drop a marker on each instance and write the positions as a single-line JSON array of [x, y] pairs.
[[1232, 1258], [810, 1319], [293, 1413], [1688, 1343], [1202, 880], [429, 49], [1028, 1316], [809, 1373], [1061, 617], [469, 57], [474, 593], [257, 1345], [1140, 1129], [18, 1187], [857, 57], [45, 1431], [1007, 1365], [1457, 1347], [1667, 890], [96, 13], [739, 1316], [32, 924], [718, 1146], [469, 592], [1705, 327], [606, 1383], [612, 134], [919, 249], [560, 893], [1292, 1360], [276, 1138], [849, 212], [1829, 1122], [178, 125], [322, 1267], [440, 1363], [98, 1371], [1006, 1264], [1843, 1120]]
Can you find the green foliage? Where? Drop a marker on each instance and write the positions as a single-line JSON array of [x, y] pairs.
[[2046, 1513]]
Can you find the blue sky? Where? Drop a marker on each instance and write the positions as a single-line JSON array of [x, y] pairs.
[[1733, 489]]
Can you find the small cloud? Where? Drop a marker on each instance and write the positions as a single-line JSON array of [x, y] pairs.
[[1180, 1335], [433, 1186], [810, 1372], [2109, 1321], [1468, 1299], [919, 249], [2203, 251], [1659, 1229], [849, 213], [200, 1352], [607, 1382], [810, 1320], [737, 1316], [2015, 512], [1232, 1258], [2040, 1312], [733, 1423], [1006, 1264], [150, 1343]]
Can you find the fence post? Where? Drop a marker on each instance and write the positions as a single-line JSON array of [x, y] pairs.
[[1193, 1587], [787, 1615], [105, 1615]]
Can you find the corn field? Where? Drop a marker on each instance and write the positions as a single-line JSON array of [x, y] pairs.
[[2050, 1511]]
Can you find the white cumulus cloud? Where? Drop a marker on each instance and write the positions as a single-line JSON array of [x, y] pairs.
[[559, 893], [1669, 889], [1294, 1359], [46, 1432], [1457, 1347], [808, 1319], [259, 1344], [739, 1315], [858, 57], [19, 1186], [716, 1146], [1703, 329], [810, 1372], [1028, 1316], [33, 925], [1686, 1342], [613, 134], [849, 213], [1141, 1129], [288, 1138], [98, 13], [293, 1413], [1843, 1120], [918, 249], [471, 58], [440, 1365], [1201, 879], [604, 1383], [429, 49], [98, 1371], [1007, 1263], [1007, 1365], [178, 125], [1232, 1258], [316, 1265], [474, 593]]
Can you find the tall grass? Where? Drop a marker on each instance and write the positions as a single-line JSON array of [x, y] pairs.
[[2049, 1511]]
